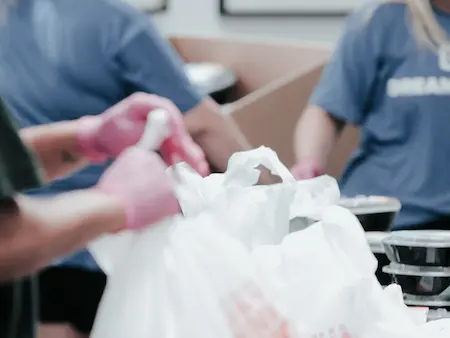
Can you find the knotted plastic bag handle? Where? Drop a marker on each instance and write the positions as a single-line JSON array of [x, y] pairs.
[[242, 167], [156, 130]]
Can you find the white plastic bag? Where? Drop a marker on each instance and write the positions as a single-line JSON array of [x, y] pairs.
[[314, 196], [196, 193], [185, 278], [227, 270], [219, 192], [325, 276], [193, 276]]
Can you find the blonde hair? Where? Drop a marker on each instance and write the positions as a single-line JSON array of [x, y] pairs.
[[426, 27], [5, 5]]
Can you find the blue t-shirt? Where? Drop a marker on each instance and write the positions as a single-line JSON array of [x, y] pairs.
[[399, 94], [62, 59]]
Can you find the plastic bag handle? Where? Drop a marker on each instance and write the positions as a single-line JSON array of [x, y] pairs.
[[156, 131], [242, 166]]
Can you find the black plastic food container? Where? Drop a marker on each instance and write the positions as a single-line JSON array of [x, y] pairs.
[[375, 213], [375, 238], [440, 313], [420, 281], [212, 79], [433, 303], [377, 222], [419, 248], [383, 278]]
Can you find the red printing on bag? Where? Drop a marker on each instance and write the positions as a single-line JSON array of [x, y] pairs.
[[342, 332], [252, 315]]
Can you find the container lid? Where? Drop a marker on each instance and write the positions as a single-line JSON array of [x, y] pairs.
[[421, 301], [437, 314], [360, 205], [375, 240], [422, 271], [210, 77], [420, 238]]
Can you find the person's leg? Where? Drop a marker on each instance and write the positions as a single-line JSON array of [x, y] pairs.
[[69, 298], [85, 299], [53, 315]]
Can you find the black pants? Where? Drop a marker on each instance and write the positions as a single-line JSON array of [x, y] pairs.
[[70, 295]]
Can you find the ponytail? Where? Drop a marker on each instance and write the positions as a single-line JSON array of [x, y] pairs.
[[427, 30]]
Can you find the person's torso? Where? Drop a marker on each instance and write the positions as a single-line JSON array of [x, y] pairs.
[[405, 140], [53, 67], [17, 172]]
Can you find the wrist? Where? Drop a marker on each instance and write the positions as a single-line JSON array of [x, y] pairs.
[[114, 210], [86, 136], [307, 167], [112, 185]]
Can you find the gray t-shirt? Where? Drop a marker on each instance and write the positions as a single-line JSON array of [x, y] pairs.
[[62, 59], [399, 95]]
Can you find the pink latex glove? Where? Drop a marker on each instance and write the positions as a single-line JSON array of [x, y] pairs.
[[307, 169], [138, 180], [181, 147], [122, 125]]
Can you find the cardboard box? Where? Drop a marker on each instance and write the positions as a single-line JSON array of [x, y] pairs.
[[275, 82]]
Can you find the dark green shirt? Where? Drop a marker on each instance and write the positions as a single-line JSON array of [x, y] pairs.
[[17, 167], [18, 302]]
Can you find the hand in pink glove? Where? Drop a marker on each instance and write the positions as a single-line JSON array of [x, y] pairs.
[[307, 169], [180, 147], [138, 180], [122, 126]]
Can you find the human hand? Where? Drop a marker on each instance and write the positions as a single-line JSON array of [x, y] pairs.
[[180, 147], [122, 125], [138, 180], [306, 169]]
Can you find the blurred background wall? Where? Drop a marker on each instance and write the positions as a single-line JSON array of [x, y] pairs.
[[202, 18]]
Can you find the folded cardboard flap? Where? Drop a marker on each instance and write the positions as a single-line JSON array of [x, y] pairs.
[[275, 81], [271, 118], [256, 63]]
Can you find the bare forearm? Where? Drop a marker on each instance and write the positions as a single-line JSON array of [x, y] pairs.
[[33, 232], [56, 147], [216, 134], [222, 142], [315, 135]]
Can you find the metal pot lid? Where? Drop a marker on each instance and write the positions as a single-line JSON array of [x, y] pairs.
[[210, 77], [422, 271], [375, 240], [361, 205], [420, 238]]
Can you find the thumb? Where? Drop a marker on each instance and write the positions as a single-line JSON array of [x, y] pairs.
[[306, 170], [195, 157]]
